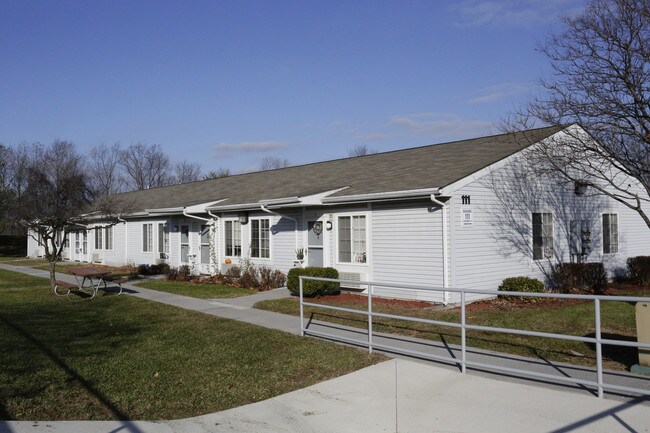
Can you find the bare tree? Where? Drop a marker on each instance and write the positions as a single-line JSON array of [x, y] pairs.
[[145, 166], [105, 169], [216, 174], [185, 171], [361, 150], [601, 81], [272, 163]]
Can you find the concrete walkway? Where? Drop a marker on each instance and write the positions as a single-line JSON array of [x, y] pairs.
[[398, 395]]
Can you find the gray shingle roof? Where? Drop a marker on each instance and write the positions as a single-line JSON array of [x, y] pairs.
[[432, 166]]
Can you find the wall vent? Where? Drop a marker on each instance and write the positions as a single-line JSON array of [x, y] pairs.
[[350, 276]]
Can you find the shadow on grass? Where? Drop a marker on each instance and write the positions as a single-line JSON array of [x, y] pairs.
[[627, 356]]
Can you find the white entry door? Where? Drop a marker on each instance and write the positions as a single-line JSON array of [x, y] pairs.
[[315, 243]]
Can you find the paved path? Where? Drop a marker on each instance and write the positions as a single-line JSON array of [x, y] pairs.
[[398, 395]]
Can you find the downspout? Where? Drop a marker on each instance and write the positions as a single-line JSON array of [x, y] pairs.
[[445, 241], [295, 222], [126, 240]]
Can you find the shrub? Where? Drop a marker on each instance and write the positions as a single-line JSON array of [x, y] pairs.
[[162, 268], [639, 269], [570, 277], [312, 288], [143, 269], [270, 279], [182, 273], [232, 275], [521, 284], [248, 278]]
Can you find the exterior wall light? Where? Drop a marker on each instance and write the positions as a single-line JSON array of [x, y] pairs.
[[328, 226], [243, 218]]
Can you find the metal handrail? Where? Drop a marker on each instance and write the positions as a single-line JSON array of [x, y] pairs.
[[597, 340]]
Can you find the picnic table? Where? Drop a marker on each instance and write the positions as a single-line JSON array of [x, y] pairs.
[[94, 276]]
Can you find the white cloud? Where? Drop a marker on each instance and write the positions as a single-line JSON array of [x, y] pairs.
[[229, 149], [499, 92], [441, 125], [513, 13]]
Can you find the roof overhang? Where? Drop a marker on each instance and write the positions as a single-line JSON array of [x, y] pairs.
[[382, 196]]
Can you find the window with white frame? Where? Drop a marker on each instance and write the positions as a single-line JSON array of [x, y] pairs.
[[352, 239], [205, 244], [99, 244], [261, 238], [542, 236], [610, 233], [147, 237], [108, 238], [232, 238], [185, 243], [163, 238]]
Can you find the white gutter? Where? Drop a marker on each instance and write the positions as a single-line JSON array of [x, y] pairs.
[[256, 205], [295, 222], [411, 193], [445, 241]]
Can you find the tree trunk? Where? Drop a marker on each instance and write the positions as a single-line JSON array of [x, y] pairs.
[[52, 273]]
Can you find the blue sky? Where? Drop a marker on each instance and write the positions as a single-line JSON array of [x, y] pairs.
[[225, 83]]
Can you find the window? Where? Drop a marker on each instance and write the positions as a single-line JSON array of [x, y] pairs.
[[98, 239], [163, 238], [610, 233], [108, 238], [352, 239], [232, 237], [261, 238], [147, 238], [185, 243], [205, 244], [542, 236]]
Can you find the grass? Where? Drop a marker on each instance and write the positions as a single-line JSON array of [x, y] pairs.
[[618, 322], [203, 291], [126, 358]]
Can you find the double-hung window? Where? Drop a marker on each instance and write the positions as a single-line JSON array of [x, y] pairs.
[[98, 239], [147, 237], [542, 235], [163, 238], [610, 233], [261, 238], [232, 238], [352, 239], [108, 238]]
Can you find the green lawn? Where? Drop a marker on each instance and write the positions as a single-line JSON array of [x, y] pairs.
[[126, 358], [618, 322], [203, 291]]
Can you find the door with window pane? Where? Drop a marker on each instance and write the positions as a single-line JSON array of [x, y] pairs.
[[204, 239], [185, 243], [315, 243]]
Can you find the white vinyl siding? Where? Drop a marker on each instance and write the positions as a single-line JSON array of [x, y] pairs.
[[610, 233]]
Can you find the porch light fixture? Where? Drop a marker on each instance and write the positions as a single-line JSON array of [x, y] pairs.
[[175, 228], [243, 218], [328, 226]]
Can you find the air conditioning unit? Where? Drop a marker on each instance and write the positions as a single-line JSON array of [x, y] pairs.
[[38, 252], [97, 258], [226, 266], [348, 277]]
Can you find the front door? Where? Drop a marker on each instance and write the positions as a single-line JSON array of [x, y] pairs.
[[315, 243], [204, 248]]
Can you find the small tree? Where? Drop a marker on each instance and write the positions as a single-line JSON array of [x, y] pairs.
[[54, 196], [601, 81], [145, 166], [217, 174], [361, 150], [185, 171], [272, 163], [104, 164]]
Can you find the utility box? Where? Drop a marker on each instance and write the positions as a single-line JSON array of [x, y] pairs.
[[643, 336]]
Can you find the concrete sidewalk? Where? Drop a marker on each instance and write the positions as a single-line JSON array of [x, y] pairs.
[[395, 396], [430, 397]]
